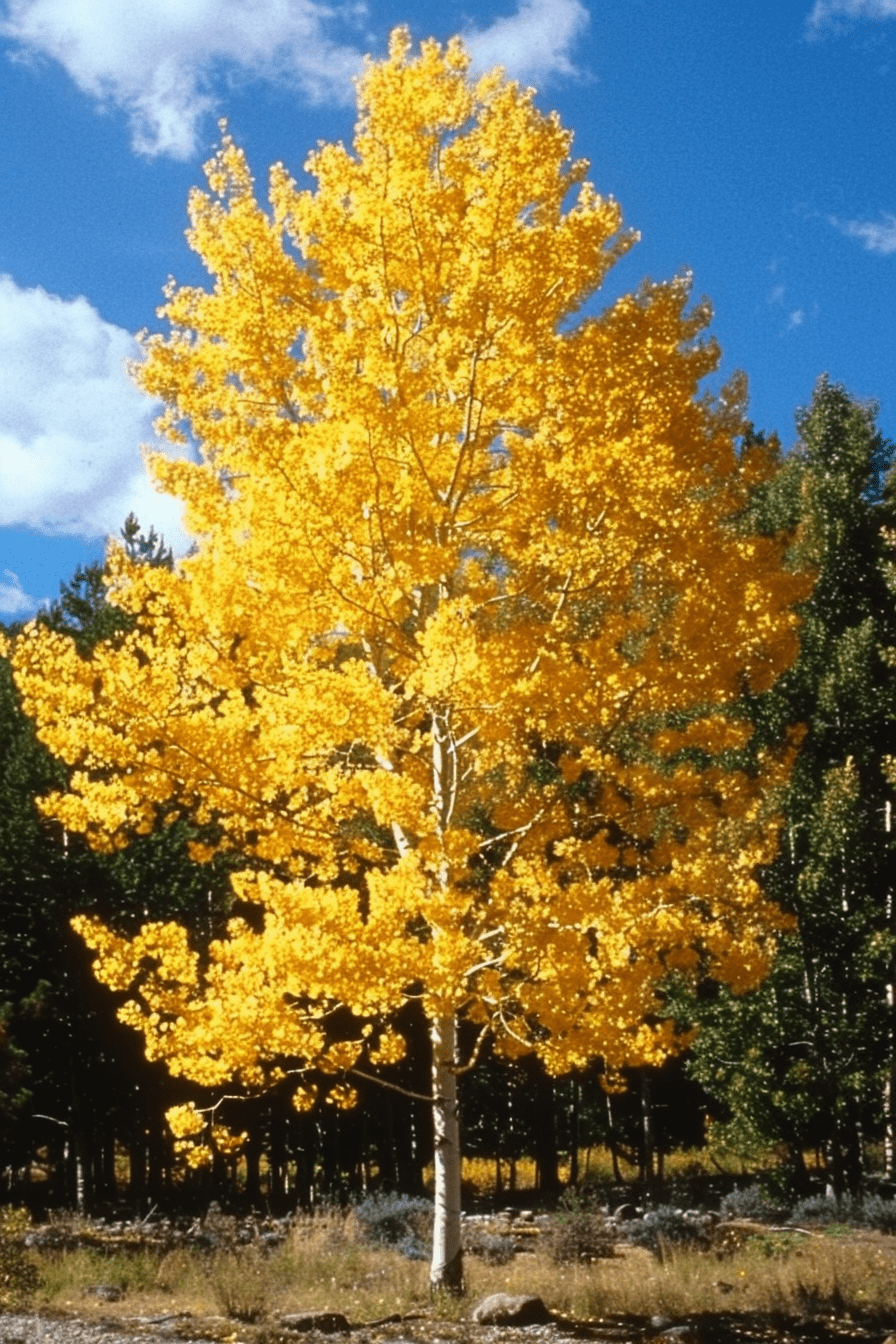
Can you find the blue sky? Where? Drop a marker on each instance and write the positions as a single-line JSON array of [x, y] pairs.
[[751, 143]]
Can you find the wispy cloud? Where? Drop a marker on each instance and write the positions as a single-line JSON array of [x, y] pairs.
[[777, 298], [832, 14], [157, 60], [71, 422], [877, 236], [532, 44], [14, 601]]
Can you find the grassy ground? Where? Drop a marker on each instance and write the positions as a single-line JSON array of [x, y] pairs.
[[325, 1265]]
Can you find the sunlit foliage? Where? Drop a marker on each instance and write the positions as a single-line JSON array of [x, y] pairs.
[[455, 663]]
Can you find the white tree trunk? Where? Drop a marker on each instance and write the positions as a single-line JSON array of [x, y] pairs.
[[889, 1109], [446, 1272]]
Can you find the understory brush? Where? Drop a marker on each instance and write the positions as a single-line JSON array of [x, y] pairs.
[[806, 1276], [327, 1263], [324, 1264], [402, 1221], [579, 1232], [869, 1212], [19, 1275]]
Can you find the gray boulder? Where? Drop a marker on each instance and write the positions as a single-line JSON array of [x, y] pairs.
[[104, 1292], [506, 1309]]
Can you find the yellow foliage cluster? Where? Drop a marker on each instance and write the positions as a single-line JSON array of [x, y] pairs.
[[467, 621]]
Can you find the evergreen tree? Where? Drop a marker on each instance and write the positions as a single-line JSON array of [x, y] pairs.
[[71, 1083], [802, 1060]]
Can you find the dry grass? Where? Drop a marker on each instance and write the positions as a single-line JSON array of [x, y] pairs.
[[325, 1266], [786, 1274], [322, 1266]]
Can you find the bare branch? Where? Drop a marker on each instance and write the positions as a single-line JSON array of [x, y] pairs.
[[392, 1087]]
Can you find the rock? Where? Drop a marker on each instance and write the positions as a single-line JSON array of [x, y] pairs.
[[625, 1213], [269, 1241], [505, 1309], [688, 1332], [104, 1292], [327, 1322]]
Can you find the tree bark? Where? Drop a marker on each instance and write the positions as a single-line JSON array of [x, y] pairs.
[[540, 1086], [612, 1143], [574, 1134], [648, 1168], [446, 1271]]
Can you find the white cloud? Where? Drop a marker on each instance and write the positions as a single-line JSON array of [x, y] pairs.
[[532, 44], [796, 319], [160, 60], [156, 58], [877, 237], [71, 422], [14, 601], [829, 13]]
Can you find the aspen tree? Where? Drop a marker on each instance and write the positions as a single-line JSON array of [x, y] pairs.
[[462, 632]]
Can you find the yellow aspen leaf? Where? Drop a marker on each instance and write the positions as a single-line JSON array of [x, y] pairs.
[[225, 1141], [389, 1049], [305, 1098], [184, 1121], [343, 1097]]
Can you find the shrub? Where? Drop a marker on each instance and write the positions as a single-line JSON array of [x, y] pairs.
[[879, 1213], [488, 1246], [401, 1221], [19, 1276], [240, 1286], [580, 1231], [754, 1204], [666, 1227], [823, 1210], [873, 1212]]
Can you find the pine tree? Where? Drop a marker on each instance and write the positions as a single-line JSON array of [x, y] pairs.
[[804, 1059]]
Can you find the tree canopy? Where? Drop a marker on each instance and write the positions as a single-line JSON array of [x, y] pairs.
[[809, 1059], [459, 658]]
